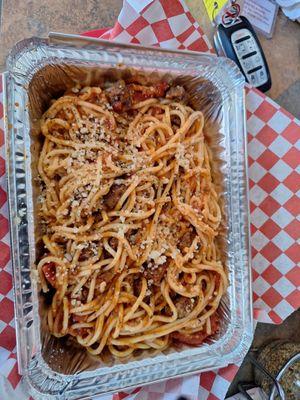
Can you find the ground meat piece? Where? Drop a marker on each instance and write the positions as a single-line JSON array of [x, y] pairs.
[[113, 242], [167, 311], [118, 105], [156, 111], [111, 199], [155, 273], [115, 90], [197, 338], [83, 332], [119, 98], [176, 92], [84, 294], [86, 254], [49, 271], [78, 318], [186, 240], [137, 286], [184, 306]]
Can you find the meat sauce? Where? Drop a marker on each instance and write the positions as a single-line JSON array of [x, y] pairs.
[[122, 97], [197, 338]]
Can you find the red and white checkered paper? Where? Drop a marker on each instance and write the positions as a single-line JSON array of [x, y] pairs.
[[274, 181]]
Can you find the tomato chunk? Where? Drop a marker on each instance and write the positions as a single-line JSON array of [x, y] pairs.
[[141, 93], [49, 271]]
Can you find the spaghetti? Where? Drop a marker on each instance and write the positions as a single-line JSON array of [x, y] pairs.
[[131, 218]]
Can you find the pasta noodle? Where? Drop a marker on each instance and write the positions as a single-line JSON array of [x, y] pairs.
[[131, 218]]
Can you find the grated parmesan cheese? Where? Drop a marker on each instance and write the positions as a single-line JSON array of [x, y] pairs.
[[102, 287], [183, 161]]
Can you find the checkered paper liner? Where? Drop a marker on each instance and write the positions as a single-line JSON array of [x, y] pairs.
[[274, 183]]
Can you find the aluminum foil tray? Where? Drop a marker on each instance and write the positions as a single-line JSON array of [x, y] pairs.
[[42, 69]]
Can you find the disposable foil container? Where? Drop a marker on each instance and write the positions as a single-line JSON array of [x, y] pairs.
[[42, 69]]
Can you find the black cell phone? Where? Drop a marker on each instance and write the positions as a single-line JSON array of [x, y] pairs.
[[240, 43]]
